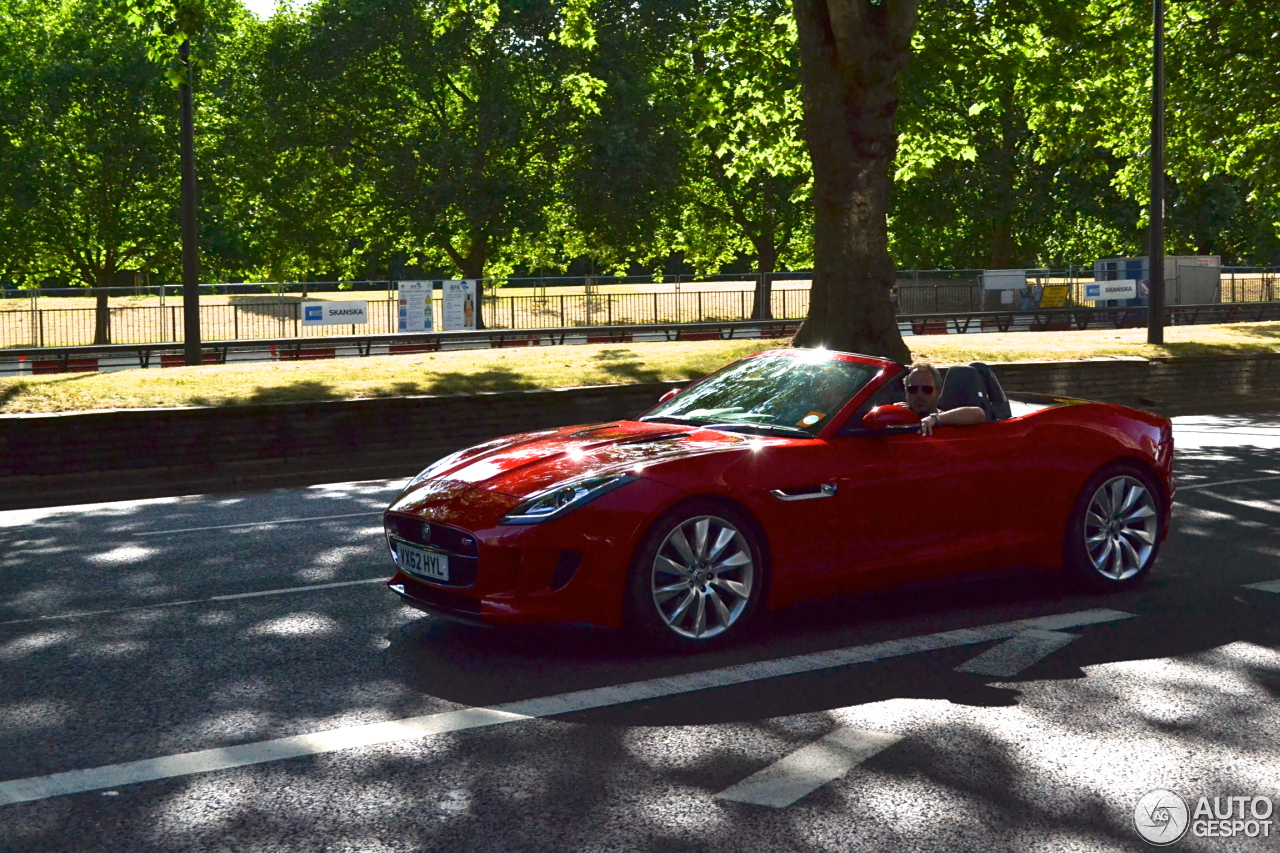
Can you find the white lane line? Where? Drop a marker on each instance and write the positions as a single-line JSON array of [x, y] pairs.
[[1265, 586], [809, 768], [196, 601], [207, 760], [295, 589], [1017, 653], [78, 781], [1226, 483], [254, 524]]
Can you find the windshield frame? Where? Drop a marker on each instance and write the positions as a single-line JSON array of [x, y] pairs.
[[884, 370]]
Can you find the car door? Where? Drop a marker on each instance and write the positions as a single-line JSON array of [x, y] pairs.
[[915, 506], [793, 493]]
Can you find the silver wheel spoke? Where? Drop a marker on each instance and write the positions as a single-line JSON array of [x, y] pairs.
[[739, 559], [1117, 562], [1115, 496], [1129, 498], [726, 536], [1142, 534], [1131, 559], [700, 615], [664, 593], [721, 610], [732, 587], [681, 544], [671, 567], [701, 529], [1100, 559], [1143, 511], [679, 612]]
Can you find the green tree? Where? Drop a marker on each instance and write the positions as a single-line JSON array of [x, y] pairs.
[[94, 158], [747, 178], [1018, 191]]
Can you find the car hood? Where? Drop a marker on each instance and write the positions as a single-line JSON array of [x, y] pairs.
[[521, 465]]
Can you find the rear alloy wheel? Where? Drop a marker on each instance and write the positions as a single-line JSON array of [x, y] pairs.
[[1114, 533], [698, 578]]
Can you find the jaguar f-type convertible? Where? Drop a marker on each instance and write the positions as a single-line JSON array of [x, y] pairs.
[[783, 477]]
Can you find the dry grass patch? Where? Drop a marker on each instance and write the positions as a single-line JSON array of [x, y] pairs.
[[556, 367], [377, 376]]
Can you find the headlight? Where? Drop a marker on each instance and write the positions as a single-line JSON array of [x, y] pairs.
[[564, 498]]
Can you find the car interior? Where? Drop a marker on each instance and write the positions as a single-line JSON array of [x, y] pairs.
[[974, 384]]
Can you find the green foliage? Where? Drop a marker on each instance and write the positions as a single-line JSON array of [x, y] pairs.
[[748, 180], [90, 175], [353, 138]]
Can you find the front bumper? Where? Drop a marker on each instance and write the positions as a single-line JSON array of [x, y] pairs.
[[568, 570]]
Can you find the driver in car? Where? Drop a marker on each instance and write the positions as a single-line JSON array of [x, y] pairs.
[[924, 386]]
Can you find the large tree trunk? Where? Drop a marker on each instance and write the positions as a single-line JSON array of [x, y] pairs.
[[472, 266], [1003, 245], [766, 262], [851, 52], [102, 310]]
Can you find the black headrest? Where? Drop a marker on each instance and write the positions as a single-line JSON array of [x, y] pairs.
[[964, 386], [1000, 409]]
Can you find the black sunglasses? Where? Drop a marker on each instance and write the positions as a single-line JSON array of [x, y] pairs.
[[919, 389]]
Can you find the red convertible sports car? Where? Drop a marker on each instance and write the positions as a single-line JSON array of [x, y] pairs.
[[783, 477]]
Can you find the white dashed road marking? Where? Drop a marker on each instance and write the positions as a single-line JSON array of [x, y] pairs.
[[204, 761], [294, 589], [256, 523], [1265, 586], [1194, 486], [1017, 653], [308, 588], [809, 768]]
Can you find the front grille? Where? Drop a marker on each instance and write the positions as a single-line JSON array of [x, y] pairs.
[[441, 536], [459, 545]]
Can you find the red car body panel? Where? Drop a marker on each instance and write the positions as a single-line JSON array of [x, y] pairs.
[[905, 506]]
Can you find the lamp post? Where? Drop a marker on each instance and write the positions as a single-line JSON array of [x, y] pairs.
[[1155, 251], [190, 235]]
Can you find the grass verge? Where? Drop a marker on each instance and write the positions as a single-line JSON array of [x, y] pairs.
[[555, 367]]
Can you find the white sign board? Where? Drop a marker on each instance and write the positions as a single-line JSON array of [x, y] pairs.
[[1102, 290], [335, 313], [460, 305], [414, 305], [1004, 279]]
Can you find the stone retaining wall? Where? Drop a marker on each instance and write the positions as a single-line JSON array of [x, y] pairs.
[[84, 457]]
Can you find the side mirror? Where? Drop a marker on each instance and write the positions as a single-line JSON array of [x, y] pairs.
[[883, 417], [667, 396]]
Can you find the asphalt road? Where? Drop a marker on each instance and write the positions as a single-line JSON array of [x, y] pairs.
[[137, 631]]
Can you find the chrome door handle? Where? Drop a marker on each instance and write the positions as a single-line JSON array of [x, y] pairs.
[[826, 490]]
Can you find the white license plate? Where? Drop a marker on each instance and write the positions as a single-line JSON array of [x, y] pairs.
[[422, 563]]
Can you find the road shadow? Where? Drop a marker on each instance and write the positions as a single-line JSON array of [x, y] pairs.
[[97, 690]]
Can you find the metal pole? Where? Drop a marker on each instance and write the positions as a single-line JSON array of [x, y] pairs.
[[190, 233], [1155, 254]]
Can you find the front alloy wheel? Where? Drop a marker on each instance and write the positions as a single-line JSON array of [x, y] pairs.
[[702, 577]]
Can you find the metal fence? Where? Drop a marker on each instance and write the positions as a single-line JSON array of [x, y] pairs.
[[273, 310]]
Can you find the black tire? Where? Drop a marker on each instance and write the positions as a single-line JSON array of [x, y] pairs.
[[1111, 550], [662, 604]]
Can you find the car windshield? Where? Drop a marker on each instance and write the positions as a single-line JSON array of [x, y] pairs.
[[783, 394]]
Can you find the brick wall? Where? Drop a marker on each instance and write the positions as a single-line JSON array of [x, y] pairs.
[[116, 455]]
